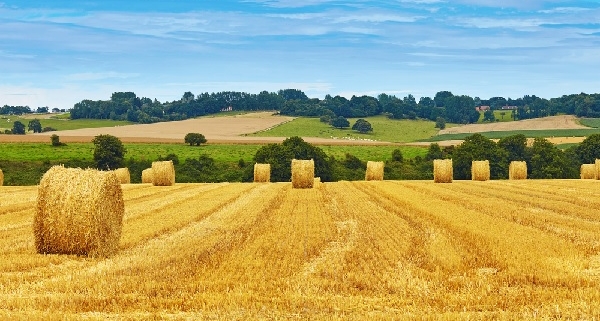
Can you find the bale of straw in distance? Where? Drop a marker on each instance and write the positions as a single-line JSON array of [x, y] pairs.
[[147, 175], [123, 175], [78, 212], [374, 171], [442, 171], [262, 173], [517, 170], [480, 170], [1, 178], [597, 163], [588, 171], [303, 173], [163, 173]]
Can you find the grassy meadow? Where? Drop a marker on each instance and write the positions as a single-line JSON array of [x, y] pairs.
[[384, 129], [498, 114], [60, 122]]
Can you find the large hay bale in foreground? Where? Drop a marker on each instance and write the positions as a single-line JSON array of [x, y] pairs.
[[517, 170], [262, 173], [480, 170], [442, 171], [1, 178], [163, 173], [123, 175], [588, 171], [78, 212], [303, 173], [374, 171], [147, 175]]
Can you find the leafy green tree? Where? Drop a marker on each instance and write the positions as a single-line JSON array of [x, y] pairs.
[[397, 156], [516, 147], [55, 139], [109, 152], [18, 128], [440, 123], [488, 115], [194, 139], [340, 122], [353, 162], [434, 152], [280, 157], [362, 126], [35, 126], [547, 161], [589, 149], [478, 147]]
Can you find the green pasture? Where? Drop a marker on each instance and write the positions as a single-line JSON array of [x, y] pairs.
[[384, 129], [60, 122], [498, 114], [528, 133], [590, 122], [219, 152]]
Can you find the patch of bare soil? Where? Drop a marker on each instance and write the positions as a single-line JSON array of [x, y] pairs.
[[552, 122]]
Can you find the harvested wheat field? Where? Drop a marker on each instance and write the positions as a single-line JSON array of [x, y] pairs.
[[344, 251]]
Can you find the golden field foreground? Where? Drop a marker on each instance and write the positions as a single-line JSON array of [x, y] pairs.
[[345, 250]]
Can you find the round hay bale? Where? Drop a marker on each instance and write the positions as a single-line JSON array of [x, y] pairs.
[[588, 171], [163, 173], [597, 163], [78, 212], [303, 173], [123, 175], [442, 171], [262, 173], [147, 175], [1, 178], [517, 170], [374, 171], [480, 170]]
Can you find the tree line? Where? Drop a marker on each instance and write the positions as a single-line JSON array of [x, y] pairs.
[[444, 105]]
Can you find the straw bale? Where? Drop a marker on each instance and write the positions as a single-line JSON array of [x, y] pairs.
[[303, 173], [517, 170], [480, 170], [374, 171], [163, 173], [123, 175], [597, 163], [147, 175], [262, 173], [442, 171], [588, 171], [1, 178], [78, 212]]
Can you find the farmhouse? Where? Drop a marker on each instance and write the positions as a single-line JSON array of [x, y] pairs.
[[482, 108]]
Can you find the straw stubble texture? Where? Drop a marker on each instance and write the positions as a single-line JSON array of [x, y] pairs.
[[480, 170], [374, 171], [517, 170], [163, 173], [262, 173], [588, 171], [123, 175], [303, 173], [147, 175], [442, 171], [78, 212]]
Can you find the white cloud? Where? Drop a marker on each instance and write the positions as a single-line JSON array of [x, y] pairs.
[[100, 76]]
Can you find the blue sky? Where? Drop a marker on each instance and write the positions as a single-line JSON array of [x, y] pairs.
[[57, 53]]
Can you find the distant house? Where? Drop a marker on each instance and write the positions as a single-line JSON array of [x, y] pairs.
[[482, 108], [508, 107]]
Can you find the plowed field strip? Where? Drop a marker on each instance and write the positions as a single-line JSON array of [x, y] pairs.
[[550, 216], [156, 268], [523, 250]]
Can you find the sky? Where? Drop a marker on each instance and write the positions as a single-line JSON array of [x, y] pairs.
[[58, 53]]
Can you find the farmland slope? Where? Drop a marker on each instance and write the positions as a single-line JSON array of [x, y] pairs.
[[347, 250]]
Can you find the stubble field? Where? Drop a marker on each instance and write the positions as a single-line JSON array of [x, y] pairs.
[[345, 250]]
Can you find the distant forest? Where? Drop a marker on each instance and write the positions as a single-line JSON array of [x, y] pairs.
[[293, 102]]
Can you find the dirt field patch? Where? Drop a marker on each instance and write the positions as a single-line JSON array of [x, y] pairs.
[[552, 122]]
